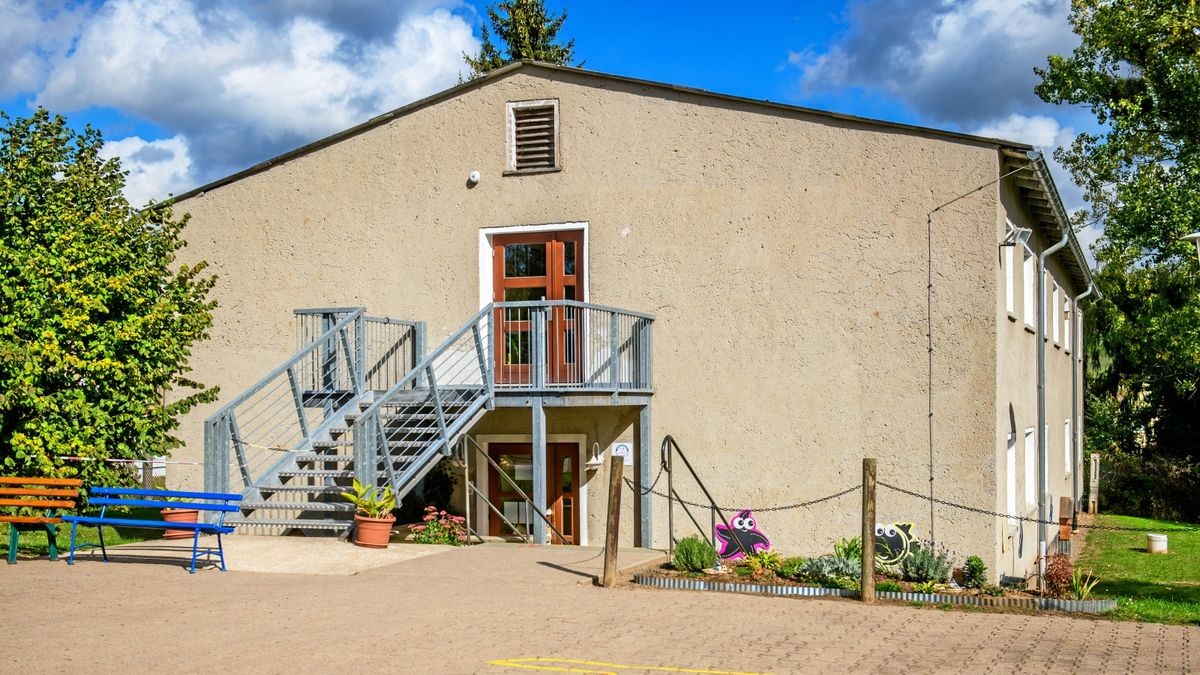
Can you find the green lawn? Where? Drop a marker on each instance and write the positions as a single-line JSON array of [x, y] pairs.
[[33, 542], [1154, 588]]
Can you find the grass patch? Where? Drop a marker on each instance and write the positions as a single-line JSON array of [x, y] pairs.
[[1153, 588], [32, 542]]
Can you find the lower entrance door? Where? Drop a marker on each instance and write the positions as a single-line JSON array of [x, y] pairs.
[[562, 489]]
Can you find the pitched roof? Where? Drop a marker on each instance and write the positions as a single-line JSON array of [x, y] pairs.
[[1056, 220]]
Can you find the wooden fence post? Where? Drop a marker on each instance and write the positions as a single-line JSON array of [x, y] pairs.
[[616, 471], [867, 586]]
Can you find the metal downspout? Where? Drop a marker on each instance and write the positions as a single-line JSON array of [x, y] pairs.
[[1043, 462], [1076, 367]]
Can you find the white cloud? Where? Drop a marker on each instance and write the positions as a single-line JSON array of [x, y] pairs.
[[156, 168], [32, 34], [243, 82], [962, 62]]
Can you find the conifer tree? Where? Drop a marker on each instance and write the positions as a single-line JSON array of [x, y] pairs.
[[527, 31]]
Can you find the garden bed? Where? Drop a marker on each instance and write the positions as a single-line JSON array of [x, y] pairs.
[[732, 583]]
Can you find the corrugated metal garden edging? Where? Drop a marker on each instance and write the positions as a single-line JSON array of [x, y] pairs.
[[1061, 605]]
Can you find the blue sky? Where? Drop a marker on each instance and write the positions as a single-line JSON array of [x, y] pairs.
[[186, 91]]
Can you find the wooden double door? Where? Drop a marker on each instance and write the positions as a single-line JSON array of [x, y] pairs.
[[530, 267], [562, 489]]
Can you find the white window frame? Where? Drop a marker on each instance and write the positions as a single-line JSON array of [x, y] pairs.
[[486, 282], [511, 124], [1030, 478], [1055, 314], [1010, 475], [1068, 323], [1067, 463], [1029, 286], [1009, 282]]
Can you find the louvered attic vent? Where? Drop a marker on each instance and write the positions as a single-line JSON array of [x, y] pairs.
[[534, 136]]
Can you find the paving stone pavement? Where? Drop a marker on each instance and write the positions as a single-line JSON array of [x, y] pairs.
[[492, 609]]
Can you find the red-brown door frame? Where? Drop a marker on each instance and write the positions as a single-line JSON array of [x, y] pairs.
[[556, 497], [563, 338]]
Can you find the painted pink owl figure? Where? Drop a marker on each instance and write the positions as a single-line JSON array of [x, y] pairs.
[[743, 530]]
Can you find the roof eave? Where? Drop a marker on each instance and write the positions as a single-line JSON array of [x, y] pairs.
[[1037, 191]]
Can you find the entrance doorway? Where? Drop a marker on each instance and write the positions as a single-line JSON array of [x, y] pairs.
[[528, 267], [562, 489]]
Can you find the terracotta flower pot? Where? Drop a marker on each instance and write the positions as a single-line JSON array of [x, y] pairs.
[[373, 532], [1064, 529], [179, 516]]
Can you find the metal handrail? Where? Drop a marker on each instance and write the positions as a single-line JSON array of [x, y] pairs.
[[668, 450], [296, 358], [515, 487]]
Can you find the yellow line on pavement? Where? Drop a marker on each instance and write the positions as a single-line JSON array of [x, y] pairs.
[[542, 663]]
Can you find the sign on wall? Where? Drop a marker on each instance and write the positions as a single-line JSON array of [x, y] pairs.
[[625, 451], [892, 542]]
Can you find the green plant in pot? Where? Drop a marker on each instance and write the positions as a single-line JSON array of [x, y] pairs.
[[373, 517]]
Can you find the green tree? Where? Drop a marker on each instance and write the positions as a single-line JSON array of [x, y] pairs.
[[527, 31], [1137, 68], [97, 319]]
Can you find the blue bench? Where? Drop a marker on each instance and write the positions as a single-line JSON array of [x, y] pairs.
[[104, 497]]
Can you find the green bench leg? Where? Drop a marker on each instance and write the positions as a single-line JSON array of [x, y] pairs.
[[13, 538], [51, 539]]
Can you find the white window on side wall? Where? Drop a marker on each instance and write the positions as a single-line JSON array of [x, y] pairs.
[[1009, 273], [1068, 320], [1029, 285], [1030, 478], [1055, 315], [1010, 479], [1067, 463]]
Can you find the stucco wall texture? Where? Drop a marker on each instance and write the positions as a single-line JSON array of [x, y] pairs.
[[784, 254]]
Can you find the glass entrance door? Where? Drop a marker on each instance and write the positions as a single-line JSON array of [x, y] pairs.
[[562, 489], [533, 267]]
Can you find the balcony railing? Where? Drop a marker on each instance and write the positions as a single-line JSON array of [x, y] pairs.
[[572, 346]]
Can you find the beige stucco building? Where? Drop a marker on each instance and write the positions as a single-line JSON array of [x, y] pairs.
[[778, 273]]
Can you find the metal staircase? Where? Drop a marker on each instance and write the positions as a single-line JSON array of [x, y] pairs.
[[361, 400], [340, 409]]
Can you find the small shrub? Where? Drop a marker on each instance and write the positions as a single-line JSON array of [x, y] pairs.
[[994, 591], [764, 562], [922, 564], [848, 548], [889, 586], [974, 572], [743, 571], [792, 567], [693, 554], [1082, 584], [929, 587], [439, 527], [828, 568], [1058, 575]]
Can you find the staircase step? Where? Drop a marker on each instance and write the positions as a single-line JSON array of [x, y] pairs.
[[296, 523], [298, 506], [301, 489], [320, 457], [317, 473], [331, 444]]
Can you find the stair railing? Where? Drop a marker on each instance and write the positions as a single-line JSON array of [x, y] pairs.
[[473, 489], [294, 403], [440, 396], [669, 450]]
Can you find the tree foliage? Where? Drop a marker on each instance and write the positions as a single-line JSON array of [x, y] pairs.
[[1137, 68], [97, 319], [527, 31]]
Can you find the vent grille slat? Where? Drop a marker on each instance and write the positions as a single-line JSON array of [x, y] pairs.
[[534, 137]]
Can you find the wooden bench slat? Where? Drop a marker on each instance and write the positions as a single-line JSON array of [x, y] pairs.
[[39, 503], [29, 520], [157, 504], [21, 480], [147, 524], [39, 492]]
